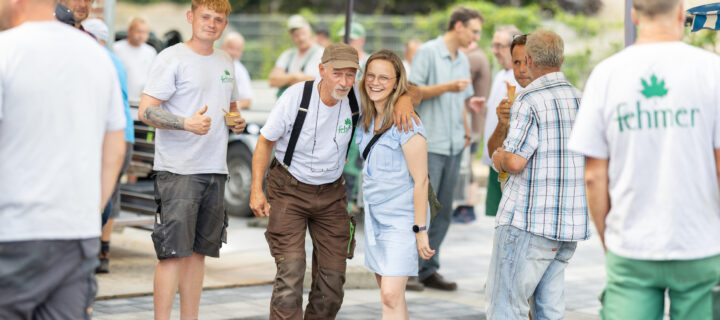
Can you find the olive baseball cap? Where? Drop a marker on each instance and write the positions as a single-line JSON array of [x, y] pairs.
[[340, 56], [357, 31]]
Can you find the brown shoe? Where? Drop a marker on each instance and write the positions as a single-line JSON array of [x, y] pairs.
[[436, 281], [414, 284]]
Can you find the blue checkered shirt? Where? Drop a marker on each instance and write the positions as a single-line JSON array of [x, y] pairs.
[[548, 197]]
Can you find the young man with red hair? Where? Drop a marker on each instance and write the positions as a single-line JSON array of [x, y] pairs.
[[188, 86]]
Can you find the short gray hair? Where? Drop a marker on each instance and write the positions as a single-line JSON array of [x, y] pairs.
[[510, 30], [545, 48], [652, 8]]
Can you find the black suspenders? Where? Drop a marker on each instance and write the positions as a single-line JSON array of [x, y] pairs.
[[300, 119]]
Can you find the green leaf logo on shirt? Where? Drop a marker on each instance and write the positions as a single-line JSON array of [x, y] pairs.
[[654, 88], [226, 78], [346, 127]]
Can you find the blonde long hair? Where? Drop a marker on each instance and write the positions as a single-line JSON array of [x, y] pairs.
[[368, 105]]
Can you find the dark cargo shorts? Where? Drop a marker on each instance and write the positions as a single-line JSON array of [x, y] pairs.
[[48, 279], [190, 215]]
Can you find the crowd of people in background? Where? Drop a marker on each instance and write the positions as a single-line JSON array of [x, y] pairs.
[[636, 152]]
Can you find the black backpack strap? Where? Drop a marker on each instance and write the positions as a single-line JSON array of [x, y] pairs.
[[299, 120], [370, 144], [355, 109]]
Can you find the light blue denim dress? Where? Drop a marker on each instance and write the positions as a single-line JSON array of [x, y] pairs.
[[390, 246]]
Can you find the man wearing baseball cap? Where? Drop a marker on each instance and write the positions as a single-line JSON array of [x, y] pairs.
[[300, 63], [310, 129], [357, 41]]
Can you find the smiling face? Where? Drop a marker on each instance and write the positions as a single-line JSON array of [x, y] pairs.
[[520, 68], [380, 81], [207, 24]]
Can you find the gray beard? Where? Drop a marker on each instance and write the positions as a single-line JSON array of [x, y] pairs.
[[337, 96]]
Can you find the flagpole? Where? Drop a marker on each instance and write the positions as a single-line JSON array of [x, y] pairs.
[[348, 20]]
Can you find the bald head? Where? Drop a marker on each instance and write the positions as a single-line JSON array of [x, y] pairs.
[[138, 32], [15, 13], [545, 48], [234, 44]]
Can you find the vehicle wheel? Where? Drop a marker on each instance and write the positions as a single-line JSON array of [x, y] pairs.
[[237, 189]]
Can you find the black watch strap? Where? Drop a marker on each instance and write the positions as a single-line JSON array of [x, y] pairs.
[[417, 228]]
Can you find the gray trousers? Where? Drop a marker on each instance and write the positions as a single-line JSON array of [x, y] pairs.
[[443, 171], [48, 279]]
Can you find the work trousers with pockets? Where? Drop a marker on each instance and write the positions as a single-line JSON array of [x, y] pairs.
[[295, 207]]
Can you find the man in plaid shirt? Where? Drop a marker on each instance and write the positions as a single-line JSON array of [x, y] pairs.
[[542, 213]]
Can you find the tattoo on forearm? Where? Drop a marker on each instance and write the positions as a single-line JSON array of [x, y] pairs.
[[163, 119]]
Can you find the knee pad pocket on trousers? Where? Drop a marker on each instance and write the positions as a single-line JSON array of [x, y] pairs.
[[288, 284]]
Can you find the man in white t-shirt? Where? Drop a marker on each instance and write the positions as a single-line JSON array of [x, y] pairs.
[[234, 44], [649, 127], [188, 86], [300, 63], [498, 91], [61, 147], [137, 56], [357, 41], [305, 187]]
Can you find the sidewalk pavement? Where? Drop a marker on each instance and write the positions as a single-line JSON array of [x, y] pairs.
[[464, 258]]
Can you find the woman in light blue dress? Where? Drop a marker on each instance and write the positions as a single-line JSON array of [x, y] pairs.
[[395, 184]]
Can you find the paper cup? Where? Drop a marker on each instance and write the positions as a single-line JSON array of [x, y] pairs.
[[230, 118]]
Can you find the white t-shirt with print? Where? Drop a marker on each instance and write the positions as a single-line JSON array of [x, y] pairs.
[[320, 152], [59, 95], [187, 81], [498, 92], [652, 110], [294, 62], [137, 62]]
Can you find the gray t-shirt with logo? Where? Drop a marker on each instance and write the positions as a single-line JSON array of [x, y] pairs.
[[187, 81]]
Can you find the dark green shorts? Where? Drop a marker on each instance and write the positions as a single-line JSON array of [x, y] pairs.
[[636, 288], [190, 216]]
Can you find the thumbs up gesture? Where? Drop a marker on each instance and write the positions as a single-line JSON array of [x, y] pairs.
[[198, 123]]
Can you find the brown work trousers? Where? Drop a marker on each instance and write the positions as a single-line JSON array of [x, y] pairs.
[[295, 206]]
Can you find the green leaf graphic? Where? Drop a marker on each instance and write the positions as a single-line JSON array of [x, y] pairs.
[[227, 73], [347, 122], [654, 88]]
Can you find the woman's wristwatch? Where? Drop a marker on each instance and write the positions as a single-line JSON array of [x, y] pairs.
[[417, 228]]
